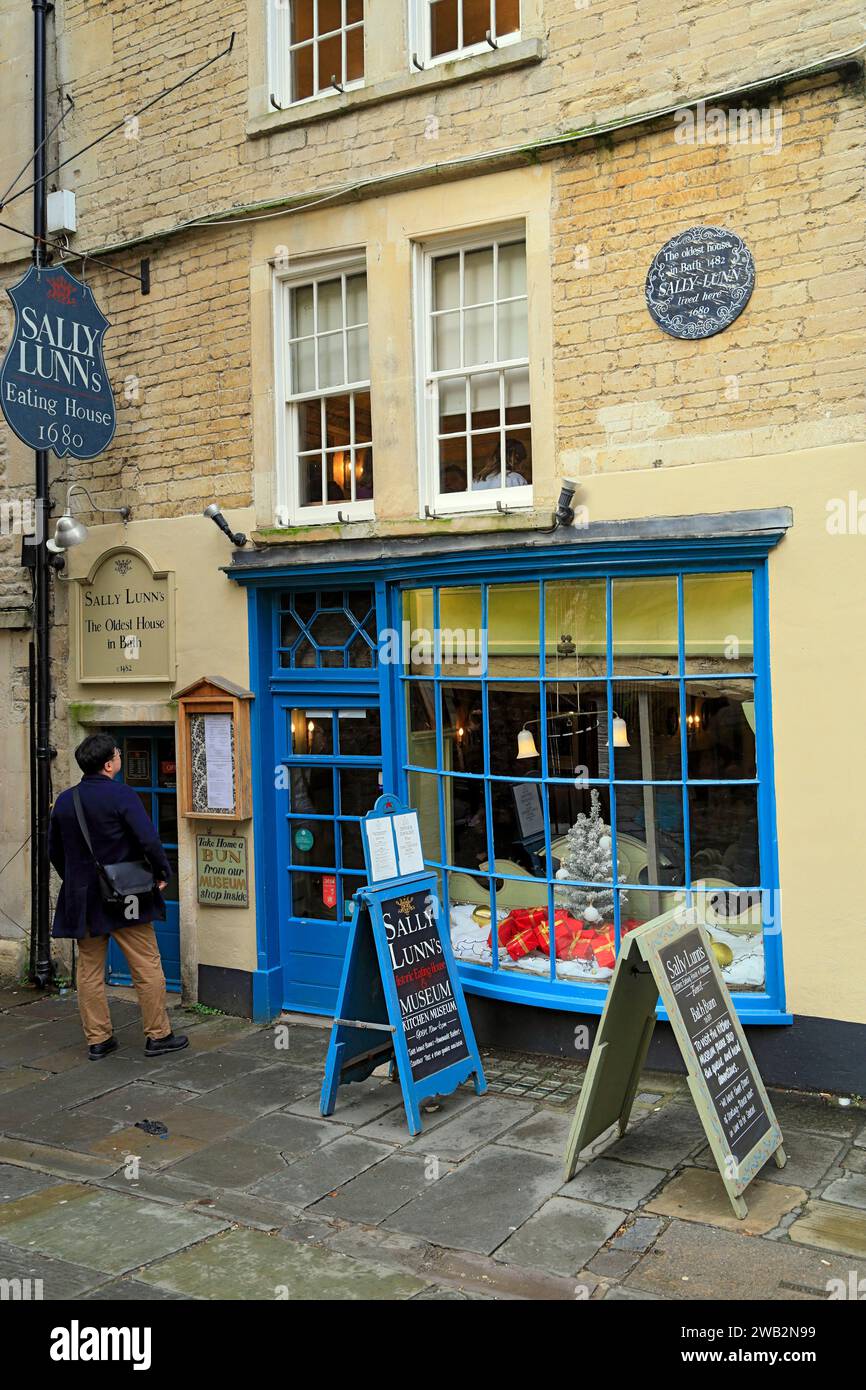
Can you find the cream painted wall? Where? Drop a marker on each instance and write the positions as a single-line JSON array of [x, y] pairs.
[[211, 640]]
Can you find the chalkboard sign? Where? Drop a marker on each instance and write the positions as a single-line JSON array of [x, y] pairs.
[[428, 1010], [400, 998], [699, 282], [671, 957], [709, 1024]]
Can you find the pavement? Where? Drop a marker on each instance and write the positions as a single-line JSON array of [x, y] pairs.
[[251, 1194]]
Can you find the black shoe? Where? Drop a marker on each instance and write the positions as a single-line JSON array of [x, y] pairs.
[[97, 1051], [172, 1042]]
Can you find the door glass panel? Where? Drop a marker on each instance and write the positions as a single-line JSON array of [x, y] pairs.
[[312, 842], [350, 883], [166, 763], [171, 892], [312, 732], [360, 733], [312, 790], [167, 818], [353, 853], [308, 896], [146, 800], [360, 788]]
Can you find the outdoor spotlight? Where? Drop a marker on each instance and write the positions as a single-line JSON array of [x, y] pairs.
[[69, 532], [564, 515], [215, 513]]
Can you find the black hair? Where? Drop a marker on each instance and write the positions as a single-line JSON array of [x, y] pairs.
[[95, 751]]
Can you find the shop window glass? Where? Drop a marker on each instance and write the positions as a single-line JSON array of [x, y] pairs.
[[648, 793]]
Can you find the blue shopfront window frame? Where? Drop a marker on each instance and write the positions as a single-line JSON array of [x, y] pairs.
[[391, 577]]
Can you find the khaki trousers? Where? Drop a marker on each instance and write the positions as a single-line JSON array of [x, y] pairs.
[[138, 944]]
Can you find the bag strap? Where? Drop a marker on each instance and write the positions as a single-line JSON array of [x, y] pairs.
[[82, 824]]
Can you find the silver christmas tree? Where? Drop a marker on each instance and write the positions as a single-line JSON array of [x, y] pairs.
[[588, 857]]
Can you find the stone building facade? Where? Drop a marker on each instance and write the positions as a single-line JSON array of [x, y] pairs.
[[589, 135]]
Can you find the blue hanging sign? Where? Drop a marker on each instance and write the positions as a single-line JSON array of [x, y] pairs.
[[54, 389], [400, 997]]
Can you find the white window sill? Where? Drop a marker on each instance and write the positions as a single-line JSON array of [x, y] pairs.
[[484, 502], [442, 73], [326, 516]]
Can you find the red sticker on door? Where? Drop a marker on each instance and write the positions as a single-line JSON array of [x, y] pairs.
[[329, 890]]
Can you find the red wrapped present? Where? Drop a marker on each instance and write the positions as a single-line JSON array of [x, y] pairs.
[[517, 934]]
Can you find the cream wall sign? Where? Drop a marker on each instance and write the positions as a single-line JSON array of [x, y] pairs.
[[125, 620]]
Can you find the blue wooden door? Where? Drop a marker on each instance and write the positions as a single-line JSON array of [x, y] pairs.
[[148, 765], [329, 774]]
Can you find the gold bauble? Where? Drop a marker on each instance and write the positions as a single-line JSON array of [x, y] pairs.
[[723, 954], [481, 915]]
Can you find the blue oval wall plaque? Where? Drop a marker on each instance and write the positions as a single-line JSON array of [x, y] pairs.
[[54, 388], [699, 282]]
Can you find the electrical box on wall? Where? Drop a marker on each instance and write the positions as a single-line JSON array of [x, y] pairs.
[[62, 215]]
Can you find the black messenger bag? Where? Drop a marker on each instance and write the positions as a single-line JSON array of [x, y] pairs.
[[117, 882]]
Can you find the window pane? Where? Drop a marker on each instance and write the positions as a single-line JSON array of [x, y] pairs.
[[302, 20], [360, 789], [337, 421], [304, 366], [330, 15], [513, 629], [166, 820], [312, 842], [513, 332], [443, 26], [330, 61], [310, 481], [507, 17], [452, 406], [718, 622], [510, 709], [418, 613], [650, 841], [518, 458], [330, 305], [309, 426], [446, 282], [424, 796], [516, 395], [356, 299], [446, 334], [512, 270], [518, 843], [478, 336], [460, 629], [576, 730], [462, 728], [352, 850], [720, 728], [355, 55], [476, 21], [724, 835], [302, 72], [354, 11], [312, 733], [363, 421], [575, 626], [648, 748], [466, 821], [453, 467], [645, 626], [360, 733], [311, 790], [303, 323], [582, 849], [484, 400], [421, 723], [331, 371], [308, 897], [478, 276], [359, 355]]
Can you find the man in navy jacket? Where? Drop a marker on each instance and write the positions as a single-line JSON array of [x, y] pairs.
[[120, 830]]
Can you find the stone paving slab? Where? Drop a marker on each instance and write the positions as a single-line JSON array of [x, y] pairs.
[[292, 1135], [612, 1264], [132, 1291], [613, 1184], [252, 1265], [193, 1119], [832, 1226], [268, 1088], [309, 1179], [699, 1262], [810, 1157], [66, 1129], [662, 1140], [393, 1128], [101, 1229], [854, 1160], [849, 1189], [357, 1104], [639, 1234], [561, 1236], [47, 1158], [85, 1083], [379, 1192], [479, 1121], [696, 1194], [860, 1139], [207, 1070], [620, 1293], [61, 1279], [545, 1132], [307, 1047], [140, 1100], [154, 1150], [19, 1182], [482, 1202], [17, 1077], [231, 1163], [814, 1113]]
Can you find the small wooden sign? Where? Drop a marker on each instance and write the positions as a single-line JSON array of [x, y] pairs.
[[400, 997], [672, 957], [221, 864]]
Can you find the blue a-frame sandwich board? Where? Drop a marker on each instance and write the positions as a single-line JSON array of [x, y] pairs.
[[370, 1027]]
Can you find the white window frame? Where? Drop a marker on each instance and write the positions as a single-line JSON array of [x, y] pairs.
[[280, 47], [433, 502], [420, 44], [287, 509]]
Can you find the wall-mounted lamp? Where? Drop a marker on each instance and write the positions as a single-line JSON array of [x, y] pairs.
[[214, 513], [69, 532]]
